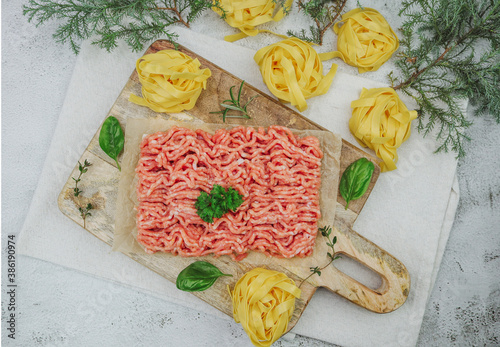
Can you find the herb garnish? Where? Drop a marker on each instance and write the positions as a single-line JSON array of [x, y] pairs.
[[326, 232], [217, 203], [198, 276], [111, 138], [356, 180], [83, 169], [84, 211], [235, 105]]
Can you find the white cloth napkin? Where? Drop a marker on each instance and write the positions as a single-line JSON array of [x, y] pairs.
[[409, 212]]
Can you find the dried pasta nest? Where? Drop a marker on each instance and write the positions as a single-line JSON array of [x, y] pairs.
[[365, 39], [171, 81], [382, 122], [293, 71], [263, 302], [246, 15]]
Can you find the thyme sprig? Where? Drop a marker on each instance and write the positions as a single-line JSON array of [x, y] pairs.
[[84, 210], [235, 105], [324, 13], [134, 21], [316, 270], [83, 168], [444, 59]]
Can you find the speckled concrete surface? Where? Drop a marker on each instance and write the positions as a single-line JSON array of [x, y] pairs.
[[464, 308], [57, 306]]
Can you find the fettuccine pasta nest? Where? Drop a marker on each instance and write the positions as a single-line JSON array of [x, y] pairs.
[[263, 302], [247, 14], [293, 72], [171, 81], [365, 39], [382, 122]]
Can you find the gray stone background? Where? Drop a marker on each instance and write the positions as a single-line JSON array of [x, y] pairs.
[[464, 308]]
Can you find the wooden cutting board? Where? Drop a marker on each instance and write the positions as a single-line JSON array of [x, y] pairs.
[[100, 187]]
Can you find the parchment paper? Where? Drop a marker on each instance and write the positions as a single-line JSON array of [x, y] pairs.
[[125, 226]]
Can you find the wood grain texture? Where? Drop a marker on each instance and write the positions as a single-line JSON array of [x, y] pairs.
[[100, 187]]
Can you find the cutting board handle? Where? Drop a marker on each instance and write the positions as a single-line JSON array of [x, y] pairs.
[[395, 278]]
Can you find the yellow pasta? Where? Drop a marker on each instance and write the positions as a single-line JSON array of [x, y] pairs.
[[365, 39], [263, 302], [382, 122], [247, 14], [171, 81], [293, 72]]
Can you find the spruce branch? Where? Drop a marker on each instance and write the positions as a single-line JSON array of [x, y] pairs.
[[324, 14], [282, 4], [135, 21], [443, 61]]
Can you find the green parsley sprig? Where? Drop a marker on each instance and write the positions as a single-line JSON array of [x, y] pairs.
[[217, 203]]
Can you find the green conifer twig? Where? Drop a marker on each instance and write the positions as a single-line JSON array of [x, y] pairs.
[[324, 13], [135, 21], [441, 62]]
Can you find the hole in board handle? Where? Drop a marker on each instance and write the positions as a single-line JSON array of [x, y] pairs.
[[360, 272]]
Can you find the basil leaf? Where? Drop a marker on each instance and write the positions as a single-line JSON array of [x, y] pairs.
[[111, 138], [356, 179], [198, 276]]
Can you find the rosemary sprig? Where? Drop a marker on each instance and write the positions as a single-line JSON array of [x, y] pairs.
[[84, 211], [324, 13], [326, 232], [235, 105]]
